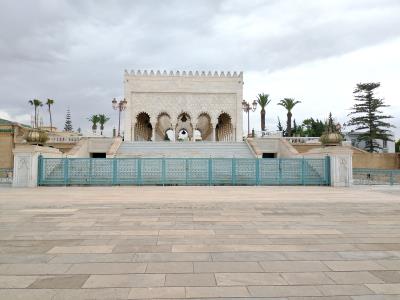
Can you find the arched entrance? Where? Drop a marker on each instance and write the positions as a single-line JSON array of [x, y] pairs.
[[224, 128], [184, 127], [204, 126], [143, 128], [163, 127]]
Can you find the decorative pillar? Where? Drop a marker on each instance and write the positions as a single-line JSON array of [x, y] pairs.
[[153, 132], [173, 128], [213, 134], [26, 163]]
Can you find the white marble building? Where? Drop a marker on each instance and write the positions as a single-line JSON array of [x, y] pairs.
[[183, 105]]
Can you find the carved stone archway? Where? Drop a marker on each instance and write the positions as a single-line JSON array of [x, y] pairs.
[[143, 127], [162, 126], [184, 122], [204, 126], [224, 128]]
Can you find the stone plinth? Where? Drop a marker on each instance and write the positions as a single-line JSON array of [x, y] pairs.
[[26, 163]]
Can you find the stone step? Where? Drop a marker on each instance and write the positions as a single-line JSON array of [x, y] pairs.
[[184, 149]]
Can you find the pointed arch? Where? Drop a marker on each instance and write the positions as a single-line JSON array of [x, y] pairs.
[[204, 125], [184, 122], [224, 128], [143, 127], [162, 126]]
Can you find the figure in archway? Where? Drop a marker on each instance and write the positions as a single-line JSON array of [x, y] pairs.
[[184, 127], [224, 128], [143, 128]]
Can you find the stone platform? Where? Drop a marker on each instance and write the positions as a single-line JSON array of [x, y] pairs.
[[200, 243]]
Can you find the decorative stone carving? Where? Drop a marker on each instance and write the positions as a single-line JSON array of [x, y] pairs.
[[26, 163]]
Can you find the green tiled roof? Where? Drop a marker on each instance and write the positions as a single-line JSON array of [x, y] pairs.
[[5, 122]]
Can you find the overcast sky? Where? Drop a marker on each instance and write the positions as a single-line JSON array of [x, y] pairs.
[[314, 51]]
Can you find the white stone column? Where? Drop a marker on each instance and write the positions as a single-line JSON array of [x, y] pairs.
[[341, 170], [26, 163], [213, 134], [153, 132]]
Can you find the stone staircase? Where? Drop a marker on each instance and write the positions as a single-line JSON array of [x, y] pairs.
[[185, 149]]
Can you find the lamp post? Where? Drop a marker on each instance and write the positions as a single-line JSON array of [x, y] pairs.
[[247, 107], [120, 106]]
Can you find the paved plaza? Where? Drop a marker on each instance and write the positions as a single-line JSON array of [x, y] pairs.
[[200, 242]]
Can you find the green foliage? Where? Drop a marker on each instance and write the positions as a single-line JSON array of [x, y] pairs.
[[314, 128], [288, 104], [94, 119], [397, 146], [68, 122], [102, 118], [263, 100], [49, 103], [368, 118], [36, 103], [297, 129], [280, 127]]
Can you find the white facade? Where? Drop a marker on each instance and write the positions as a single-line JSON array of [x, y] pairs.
[[387, 146], [192, 104]]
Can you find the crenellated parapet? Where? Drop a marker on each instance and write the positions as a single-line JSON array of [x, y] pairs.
[[149, 73]]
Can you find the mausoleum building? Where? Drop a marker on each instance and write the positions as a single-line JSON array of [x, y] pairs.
[[183, 105]]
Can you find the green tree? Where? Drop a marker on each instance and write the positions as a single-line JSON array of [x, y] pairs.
[[102, 119], [313, 128], [263, 100], [68, 122], [288, 104], [368, 118], [297, 129], [397, 146], [280, 127], [49, 103], [36, 103], [94, 119]]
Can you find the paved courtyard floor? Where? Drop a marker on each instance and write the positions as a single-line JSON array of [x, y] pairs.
[[200, 242]]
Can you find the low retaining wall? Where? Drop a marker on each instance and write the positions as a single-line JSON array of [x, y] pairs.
[[376, 160]]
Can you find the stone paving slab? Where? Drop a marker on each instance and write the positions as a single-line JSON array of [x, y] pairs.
[[286, 243]]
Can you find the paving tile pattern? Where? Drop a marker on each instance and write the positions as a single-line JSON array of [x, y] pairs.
[[288, 243]]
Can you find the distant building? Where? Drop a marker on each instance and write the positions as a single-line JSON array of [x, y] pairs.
[[10, 134], [13, 133], [387, 146]]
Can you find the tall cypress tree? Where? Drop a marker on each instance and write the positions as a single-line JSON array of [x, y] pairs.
[[68, 122], [368, 117]]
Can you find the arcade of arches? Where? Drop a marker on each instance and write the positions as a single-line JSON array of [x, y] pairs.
[[184, 127]]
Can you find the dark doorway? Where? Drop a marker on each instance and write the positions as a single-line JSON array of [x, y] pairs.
[[268, 155], [98, 155]]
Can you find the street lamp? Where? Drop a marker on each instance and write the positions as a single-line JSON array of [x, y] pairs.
[[120, 106], [247, 107]]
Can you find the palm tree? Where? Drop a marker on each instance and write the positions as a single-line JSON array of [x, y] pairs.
[[49, 103], [94, 119], [102, 120], [36, 103], [263, 100], [288, 103]]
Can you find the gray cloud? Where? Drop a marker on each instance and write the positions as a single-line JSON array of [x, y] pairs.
[[76, 51]]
